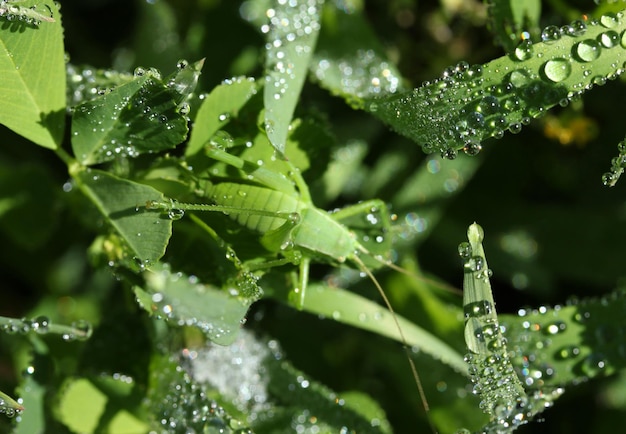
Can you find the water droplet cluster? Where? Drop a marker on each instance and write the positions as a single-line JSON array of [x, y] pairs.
[[85, 83], [568, 344], [32, 16], [181, 405], [617, 166], [78, 330], [292, 21], [365, 75], [178, 298], [237, 371], [469, 104]]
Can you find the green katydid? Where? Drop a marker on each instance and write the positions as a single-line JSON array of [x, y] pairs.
[[280, 208]]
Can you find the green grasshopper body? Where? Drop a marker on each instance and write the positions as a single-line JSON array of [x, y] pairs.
[[295, 225], [291, 225]]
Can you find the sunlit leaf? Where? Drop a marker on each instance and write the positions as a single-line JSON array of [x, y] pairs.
[[470, 104], [122, 204], [184, 301], [32, 89], [218, 108]]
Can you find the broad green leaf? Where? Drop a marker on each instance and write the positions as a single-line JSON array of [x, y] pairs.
[[87, 405], [218, 108], [579, 341], [138, 117], [122, 204], [470, 104], [184, 301], [355, 310], [291, 37], [350, 60], [32, 68]]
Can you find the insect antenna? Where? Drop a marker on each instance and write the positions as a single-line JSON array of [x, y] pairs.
[[435, 283], [405, 344]]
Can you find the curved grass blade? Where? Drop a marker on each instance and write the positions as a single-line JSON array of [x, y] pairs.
[[9, 406], [469, 104], [291, 38], [355, 310], [32, 89]]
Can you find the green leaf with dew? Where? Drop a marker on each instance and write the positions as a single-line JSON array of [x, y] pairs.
[[350, 60], [141, 116], [291, 37], [502, 394], [470, 104], [122, 203], [184, 301], [32, 68], [578, 341], [218, 108]]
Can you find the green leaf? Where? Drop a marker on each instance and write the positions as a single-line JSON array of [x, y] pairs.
[[32, 89], [355, 310], [350, 60], [502, 394], [184, 301], [291, 38], [579, 341], [122, 204], [470, 104], [218, 108], [84, 82], [138, 117]]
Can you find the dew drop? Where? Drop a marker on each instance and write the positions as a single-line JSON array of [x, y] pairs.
[[524, 50], [609, 20], [568, 352], [557, 70], [139, 72], [41, 324], [550, 34], [609, 39], [465, 250], [175, 214], [588, 50]]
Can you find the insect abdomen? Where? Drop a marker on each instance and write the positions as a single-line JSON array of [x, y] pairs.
[[253, 198]]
